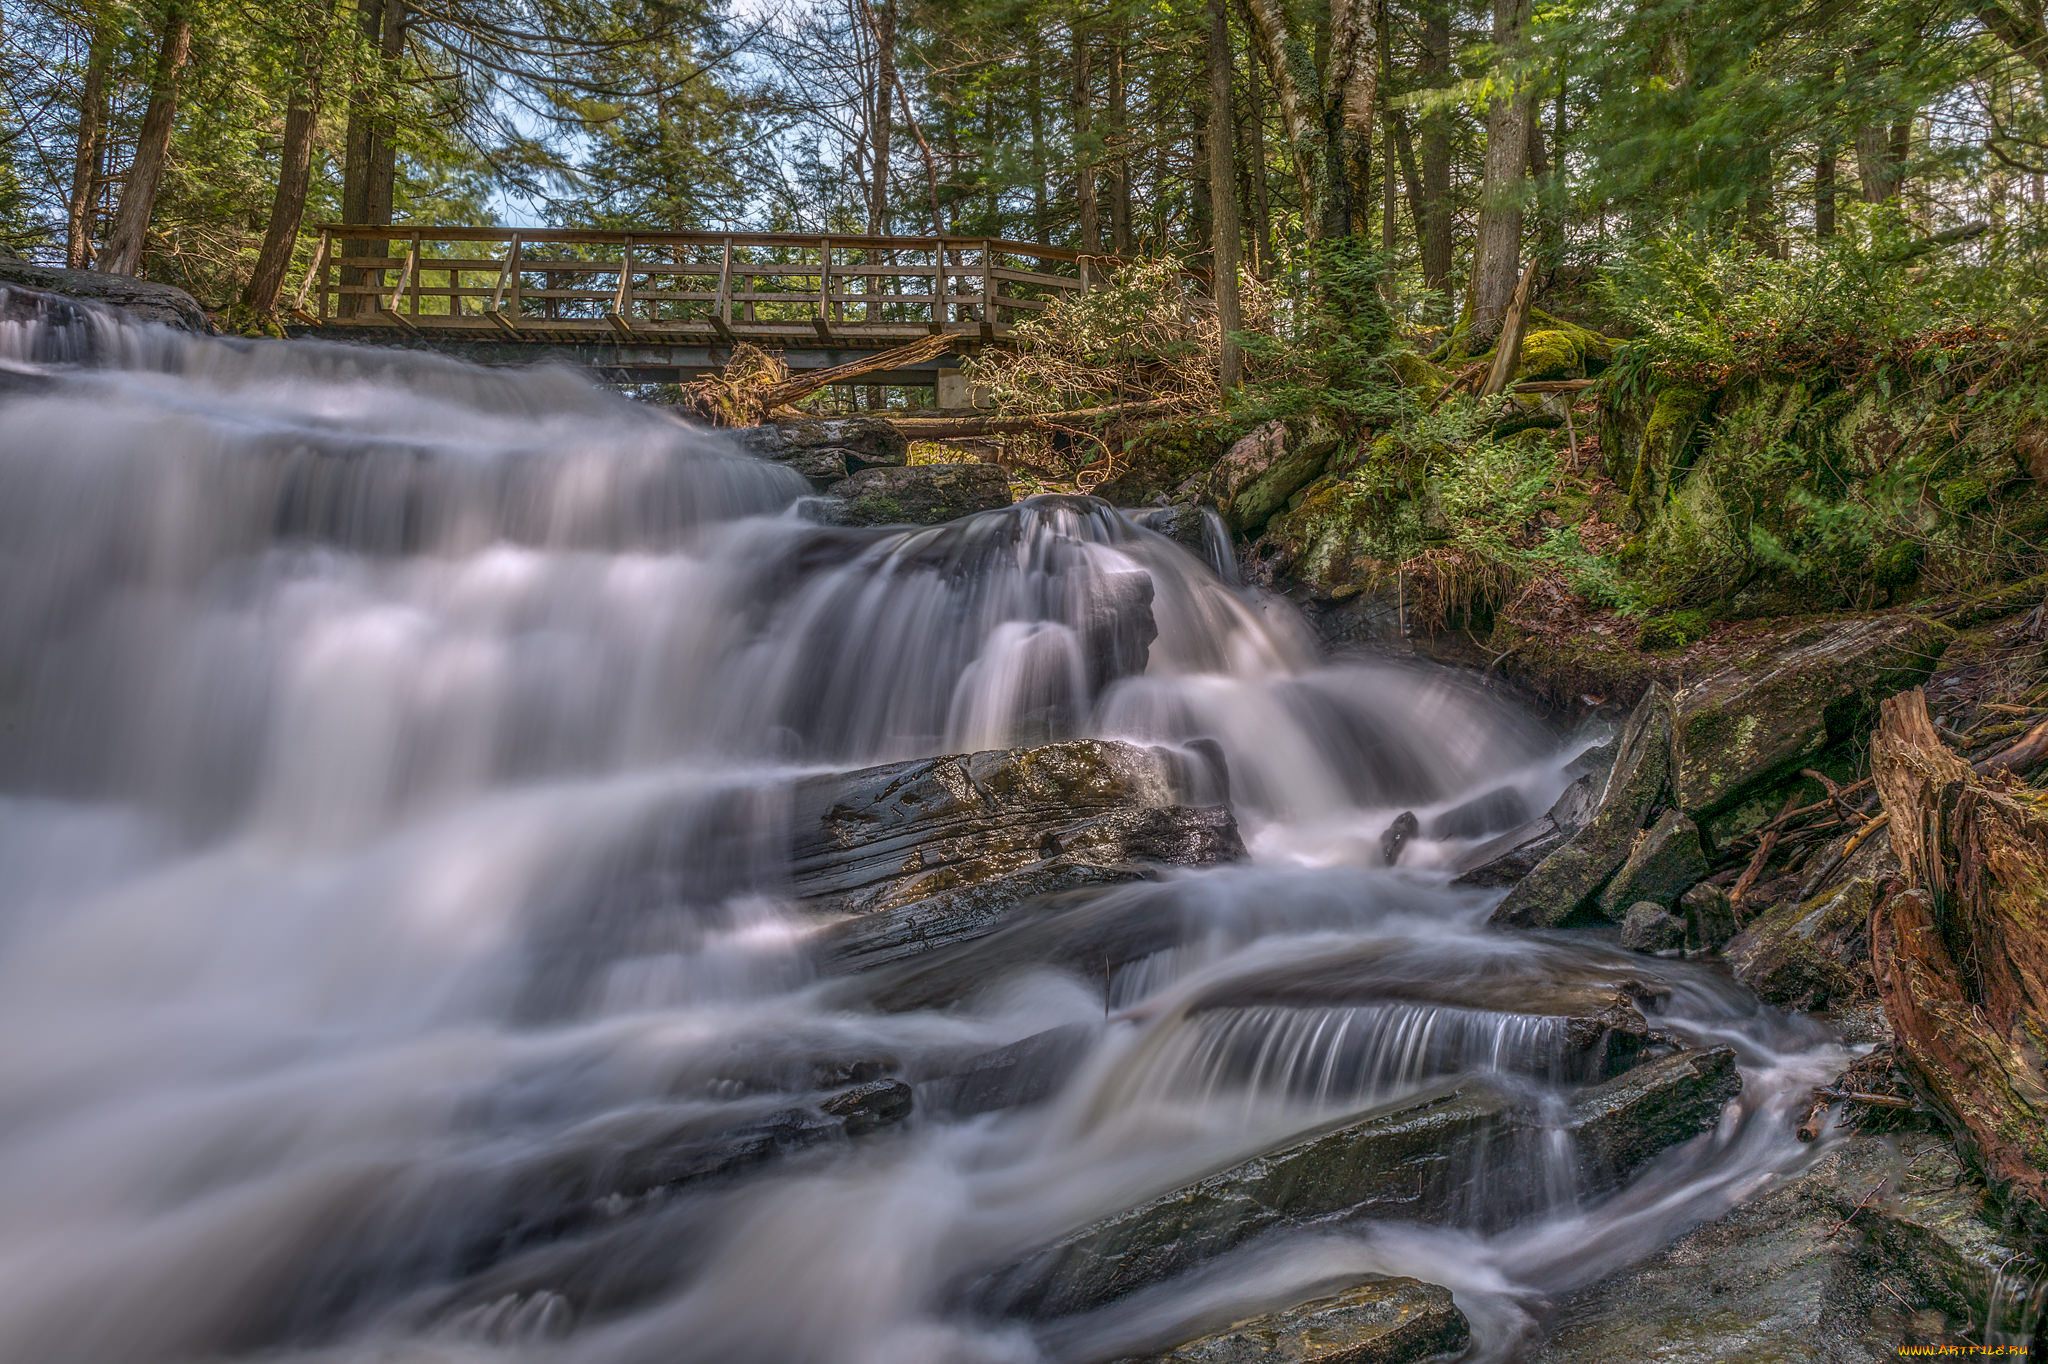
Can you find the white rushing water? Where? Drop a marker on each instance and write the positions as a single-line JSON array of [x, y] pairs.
[[392, 758]]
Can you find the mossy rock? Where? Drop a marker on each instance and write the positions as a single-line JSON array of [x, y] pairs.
[[1551, 355], [1768, 714], [1678, 630], [1424, 379], [1809, 954]]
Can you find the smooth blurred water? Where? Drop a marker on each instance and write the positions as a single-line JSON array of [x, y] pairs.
[[393, 774]]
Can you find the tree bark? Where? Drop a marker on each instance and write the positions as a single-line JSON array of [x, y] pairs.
[[1120, 136], [294, 174], [1040, 222], [1254, 153], [383, 175], [883, 15], [1081, 116], [85, 168], [1433, 205], [123, 252], [1223, 194], [1351, 105], [1824, 192], [1497, 254], [1961, 950]]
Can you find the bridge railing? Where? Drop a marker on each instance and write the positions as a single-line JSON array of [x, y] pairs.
[[774, 287]]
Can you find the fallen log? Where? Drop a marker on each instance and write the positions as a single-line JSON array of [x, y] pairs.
[[948, 428], [1961, 950]]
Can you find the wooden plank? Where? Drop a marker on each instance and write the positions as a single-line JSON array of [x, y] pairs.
[[1035, 277], [508, 276], [988, 296], [313, 268], [823, 319], [622, 297], [721, 316]]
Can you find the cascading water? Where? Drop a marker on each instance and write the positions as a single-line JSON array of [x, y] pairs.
[[394, 761]]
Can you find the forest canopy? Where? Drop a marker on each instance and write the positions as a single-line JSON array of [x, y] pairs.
[[194, 141]]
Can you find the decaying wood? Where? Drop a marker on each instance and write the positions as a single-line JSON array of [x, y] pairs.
[[1961, 950], [2024, 755], [800, 386], [1747, 881], [1508, 352], [1555, 385], [942, 428]]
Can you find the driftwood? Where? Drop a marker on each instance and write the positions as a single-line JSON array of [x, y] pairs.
[[943, 428], [1961, 949], [1508, 352], [756, 383]]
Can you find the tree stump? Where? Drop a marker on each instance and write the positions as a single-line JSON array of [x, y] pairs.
[[1961, 949]]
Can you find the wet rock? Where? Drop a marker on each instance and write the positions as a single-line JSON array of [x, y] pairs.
[[46, 293], [1811, 954], [955, 916], [865, 1107], [916, 495], [827, 451], [1506, 860], [1025, 1072], [1404, 827], [1649, 927], [886, 836], [1665, 863], [1492, 812], [1381, 1321], [1709, 919], [1881, 1244], [1412, 1160], [1565, 884], [1620, 1125], [1766, 714]]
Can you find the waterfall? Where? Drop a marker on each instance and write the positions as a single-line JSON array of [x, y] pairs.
[[395, 761]]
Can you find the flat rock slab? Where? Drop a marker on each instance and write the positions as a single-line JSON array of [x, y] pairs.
[[1765, 714], [1408, 1161], [40, 292], [1801, 1273], [1381, 1321], [916, 495], [887, 836]]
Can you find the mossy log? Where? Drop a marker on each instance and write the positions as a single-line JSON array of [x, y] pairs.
[[1961, 949]]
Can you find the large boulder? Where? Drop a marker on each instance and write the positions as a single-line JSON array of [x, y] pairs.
[[1263, 470], [1380, 1321], [915, 494], [887, 836], [827, 451], [1765, 715], [30, 292], [1410, 1160]]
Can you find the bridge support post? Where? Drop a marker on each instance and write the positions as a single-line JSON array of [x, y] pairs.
[[956, 394]]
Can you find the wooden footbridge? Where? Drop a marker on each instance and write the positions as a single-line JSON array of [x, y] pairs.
[[663, 306]]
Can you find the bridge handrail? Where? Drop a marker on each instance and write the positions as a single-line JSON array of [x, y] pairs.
[[729, 312]]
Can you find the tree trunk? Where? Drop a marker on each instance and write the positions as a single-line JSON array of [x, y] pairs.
[[85, 168], [1040, 224], [1351, 105], [383, 176], [1433, 205], [1254, 152], [1081, 115], [123, 252], [1497, 254], [1824, 192], [1120, 137], [294, 174], [1876, 174], [1223, 193], [884, 17]]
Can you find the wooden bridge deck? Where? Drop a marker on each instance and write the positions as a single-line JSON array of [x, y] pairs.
[[675, 302]]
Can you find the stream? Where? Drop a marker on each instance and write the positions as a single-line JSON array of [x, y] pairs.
[[395, 772]]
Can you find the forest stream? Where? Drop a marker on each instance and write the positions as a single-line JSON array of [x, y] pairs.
[[491, 877]]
